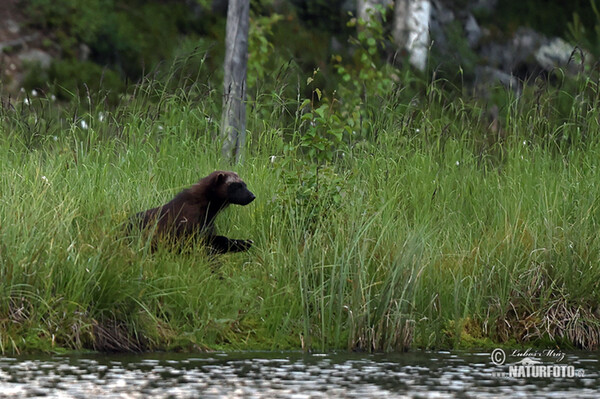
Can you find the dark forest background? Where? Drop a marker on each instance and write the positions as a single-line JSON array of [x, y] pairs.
[[56, 46]]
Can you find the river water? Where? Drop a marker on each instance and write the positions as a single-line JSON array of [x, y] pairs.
[[418, 374]]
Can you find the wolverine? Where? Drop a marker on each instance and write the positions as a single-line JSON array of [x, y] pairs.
[[193, 211]]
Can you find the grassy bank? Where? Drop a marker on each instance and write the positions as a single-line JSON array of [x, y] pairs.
[[433, 229]]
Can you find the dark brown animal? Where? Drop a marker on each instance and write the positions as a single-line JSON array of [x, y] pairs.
[[192, 213]]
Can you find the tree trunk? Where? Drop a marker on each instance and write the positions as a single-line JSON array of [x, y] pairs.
[[233, 118], [411, 29]]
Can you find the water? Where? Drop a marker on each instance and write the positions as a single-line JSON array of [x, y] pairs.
[[289, 375]]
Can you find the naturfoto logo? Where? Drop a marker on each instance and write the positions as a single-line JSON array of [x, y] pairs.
[[531, 367]]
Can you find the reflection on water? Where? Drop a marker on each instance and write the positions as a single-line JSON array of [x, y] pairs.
[[286, 375]]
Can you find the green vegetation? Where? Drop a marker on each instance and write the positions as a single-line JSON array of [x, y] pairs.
[[393, 210], [403, 217], [123, 40]]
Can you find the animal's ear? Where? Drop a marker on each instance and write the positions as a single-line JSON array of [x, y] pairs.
[[220, 178]]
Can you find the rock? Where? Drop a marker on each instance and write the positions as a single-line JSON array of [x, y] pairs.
[[556, 54], [472, 30], [486, 77], [84, 52], [529, 53], [36, 56], [12, 26], [515, 56], [483, 5], [442, 14], [440, 18], [18, 43], [335, 45], [525, 42]]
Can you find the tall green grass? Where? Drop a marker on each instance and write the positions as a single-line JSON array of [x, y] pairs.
[[435, 231]]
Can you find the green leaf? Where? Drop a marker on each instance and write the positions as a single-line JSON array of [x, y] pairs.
[[318, 93], [304, 103], [321, 110]]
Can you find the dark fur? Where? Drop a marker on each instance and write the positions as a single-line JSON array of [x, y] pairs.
[[192, 213]]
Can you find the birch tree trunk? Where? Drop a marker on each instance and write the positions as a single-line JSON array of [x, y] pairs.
[[233, 117], [411, 29]]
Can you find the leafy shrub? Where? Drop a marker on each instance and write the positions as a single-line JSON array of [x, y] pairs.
[[131, 37], [260, 48], [71, 77], [365, 77], [580, 32]]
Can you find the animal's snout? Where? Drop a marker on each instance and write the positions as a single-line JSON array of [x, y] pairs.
[[244, 199]]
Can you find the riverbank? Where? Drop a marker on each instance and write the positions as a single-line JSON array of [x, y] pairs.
[[436, 227]]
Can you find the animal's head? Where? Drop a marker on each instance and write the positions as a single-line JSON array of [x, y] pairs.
[[231, 189]]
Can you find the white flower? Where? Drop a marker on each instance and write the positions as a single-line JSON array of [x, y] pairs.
[[524, 142], [53, 97], [457, 163], [34, 92], [45, 179], [26, 101], [55, 138], [160, 128], [101, 116], [417, 130], [83, 124], [272, 158]]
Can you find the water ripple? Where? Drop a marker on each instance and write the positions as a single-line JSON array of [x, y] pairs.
[[285, 375]]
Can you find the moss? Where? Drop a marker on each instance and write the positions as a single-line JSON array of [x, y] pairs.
[[472, 335]]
